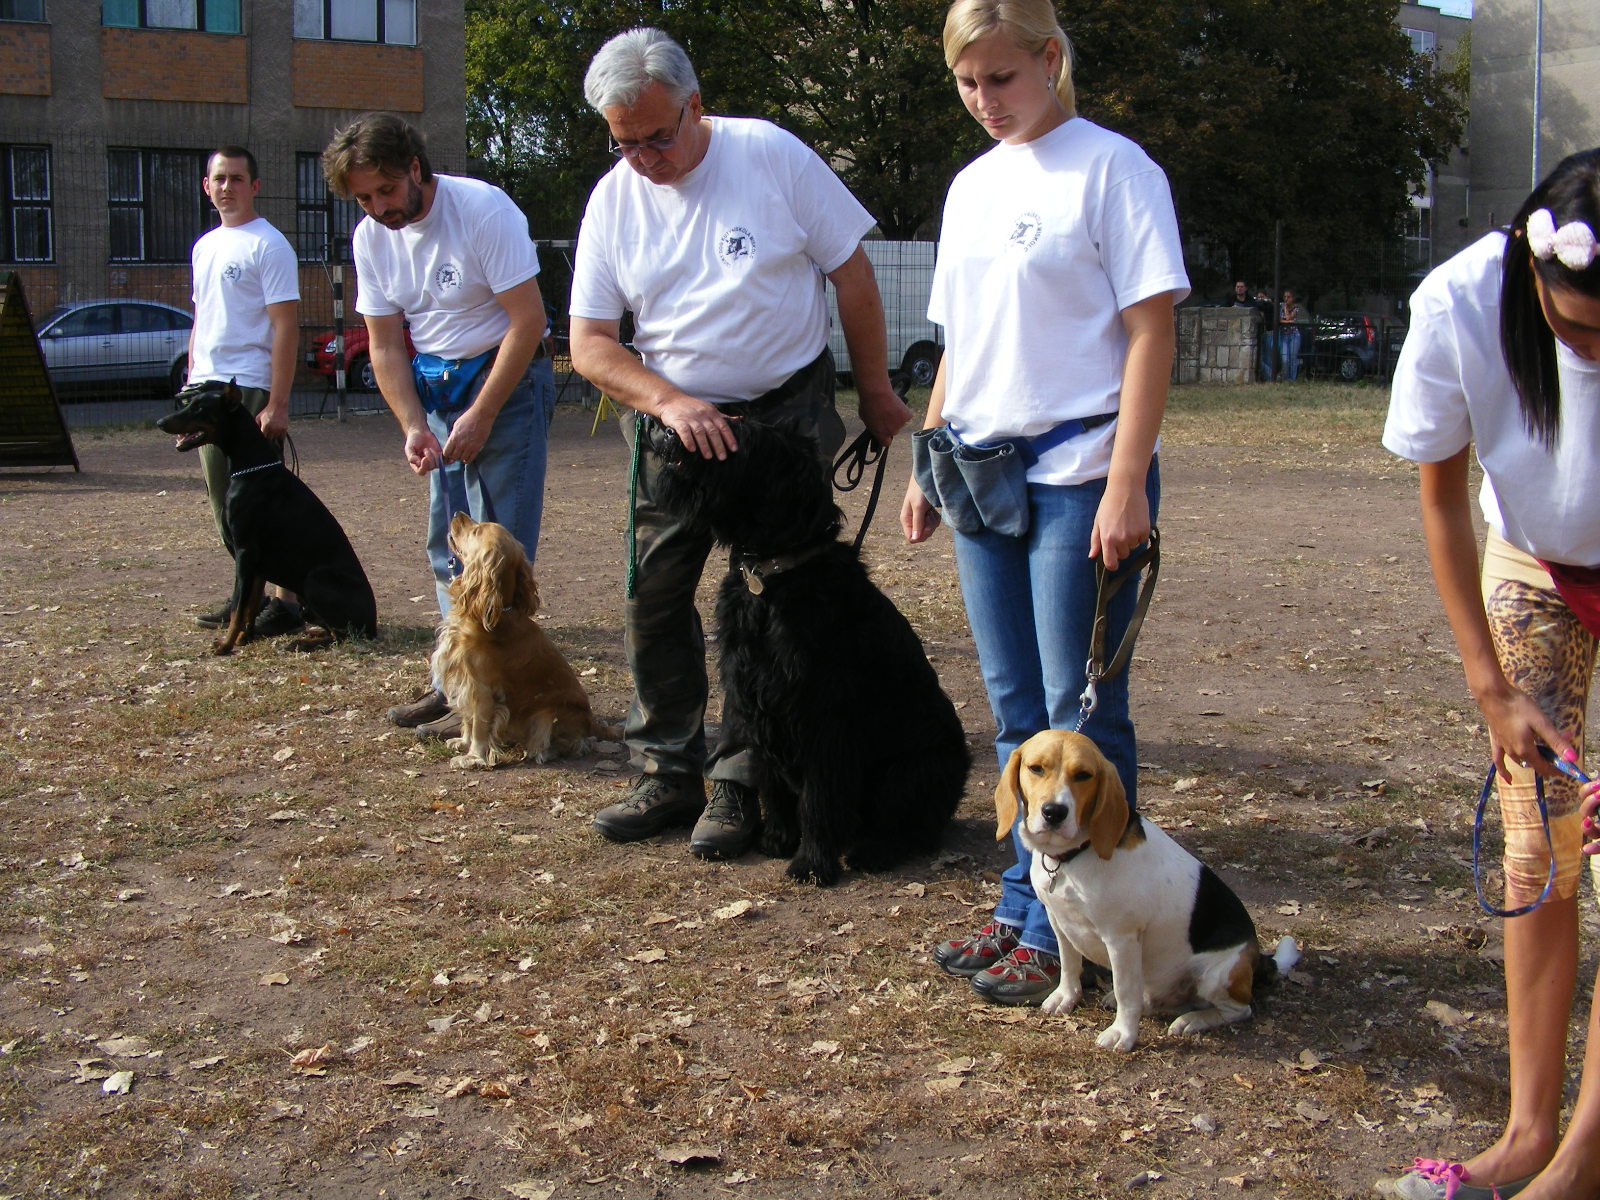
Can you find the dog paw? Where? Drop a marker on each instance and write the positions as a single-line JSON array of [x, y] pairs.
[[820, 871], [458, 744], [469, 762], [1062, 1000], [222, 647], [1116, 1036], [875, 856]]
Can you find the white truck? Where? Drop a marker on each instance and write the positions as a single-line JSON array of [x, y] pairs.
[[905, 281]]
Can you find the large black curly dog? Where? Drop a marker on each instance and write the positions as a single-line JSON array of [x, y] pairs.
[[281, 532], [860, 752]]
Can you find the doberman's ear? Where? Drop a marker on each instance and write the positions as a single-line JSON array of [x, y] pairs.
[[1006, 795], [1107, 819]]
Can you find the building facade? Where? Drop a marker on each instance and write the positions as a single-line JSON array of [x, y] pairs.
[[1535, 97], [109, 109], [1439, 222]]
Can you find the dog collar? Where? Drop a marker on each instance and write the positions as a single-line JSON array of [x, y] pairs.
[[253, 470], [1063, 860], [756, 571]]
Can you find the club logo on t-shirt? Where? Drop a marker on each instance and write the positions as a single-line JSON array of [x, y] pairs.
[[1026, 231], [448, 276], [233, 272], [736, 247]]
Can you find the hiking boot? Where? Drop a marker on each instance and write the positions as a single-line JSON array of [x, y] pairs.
[[442, 730], [654, 803], [217, 618], [978, 952], [730, 822], [276, 618], [1022, 977], [430, 706]]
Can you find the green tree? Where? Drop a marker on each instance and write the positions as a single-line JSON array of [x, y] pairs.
[[1315, 114]]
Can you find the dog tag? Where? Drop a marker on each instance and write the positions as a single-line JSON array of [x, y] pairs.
[[753, 581]]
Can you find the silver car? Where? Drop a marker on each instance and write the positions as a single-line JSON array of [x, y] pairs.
[[136, 343]]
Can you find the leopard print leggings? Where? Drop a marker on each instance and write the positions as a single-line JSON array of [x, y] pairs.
[[1545, 651]]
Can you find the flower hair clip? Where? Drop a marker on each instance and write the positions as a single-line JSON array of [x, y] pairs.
[[1573, 244]]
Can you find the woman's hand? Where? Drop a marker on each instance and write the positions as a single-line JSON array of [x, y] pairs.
[[1121, 524], [1589, 794], [1517, 727], [918, 518]]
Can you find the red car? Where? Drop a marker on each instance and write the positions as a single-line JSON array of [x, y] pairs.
[[358, 373]]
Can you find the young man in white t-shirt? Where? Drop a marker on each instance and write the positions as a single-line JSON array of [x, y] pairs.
[[246, 328], [716, 234], [452, 257]]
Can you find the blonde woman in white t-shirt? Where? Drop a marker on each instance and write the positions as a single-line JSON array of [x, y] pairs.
[[1059, 265], [1503, 358]]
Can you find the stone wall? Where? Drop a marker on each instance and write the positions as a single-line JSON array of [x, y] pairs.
[[1216, 345]]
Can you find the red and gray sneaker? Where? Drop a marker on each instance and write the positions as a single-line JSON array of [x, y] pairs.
[[982, 950], [1023, 977]]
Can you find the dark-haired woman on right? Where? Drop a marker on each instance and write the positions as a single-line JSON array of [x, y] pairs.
[[1503, 360]]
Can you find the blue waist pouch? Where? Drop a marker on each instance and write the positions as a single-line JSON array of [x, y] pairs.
[[445, 384]]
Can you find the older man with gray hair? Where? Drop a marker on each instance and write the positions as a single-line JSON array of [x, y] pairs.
[[715, 233]]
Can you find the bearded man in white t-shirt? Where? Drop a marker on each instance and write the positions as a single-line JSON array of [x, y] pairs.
[[451, 257], [715, 233], [246, 329]]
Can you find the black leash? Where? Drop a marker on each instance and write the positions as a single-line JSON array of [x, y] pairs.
[[1107, 585], [860, 454], [853, 462]]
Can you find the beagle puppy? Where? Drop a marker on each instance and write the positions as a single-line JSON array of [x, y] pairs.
[[1123, 894]]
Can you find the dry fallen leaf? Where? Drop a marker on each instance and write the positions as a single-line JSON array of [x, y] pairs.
[[1437, 1009], [311, 1057], [493, 1089], [531, 1189], [737, 909], [118, 1083], [273, 979], [648, 956]]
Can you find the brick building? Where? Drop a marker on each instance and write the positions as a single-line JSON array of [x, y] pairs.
[[108, 109]]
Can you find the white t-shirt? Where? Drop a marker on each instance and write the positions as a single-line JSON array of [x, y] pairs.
[[444, 271], [1041, 248], [237, 273], [723, 269], [1452, 387]]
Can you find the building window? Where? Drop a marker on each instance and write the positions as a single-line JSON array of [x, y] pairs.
[[391, 21], [157, 207], [29, 228], [210, 16], [322, 221], [21, 10], [1423, 41]]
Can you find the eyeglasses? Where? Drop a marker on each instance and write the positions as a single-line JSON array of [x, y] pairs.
[[659, 145]]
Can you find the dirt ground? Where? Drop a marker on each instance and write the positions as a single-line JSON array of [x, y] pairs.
[[258, 943]]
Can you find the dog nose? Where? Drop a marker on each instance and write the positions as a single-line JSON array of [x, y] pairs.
[[1053, 813]]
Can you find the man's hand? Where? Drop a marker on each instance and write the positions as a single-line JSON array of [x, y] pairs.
[[883, 413], [422, 450], [467, 436], [700, 426], [274, 420]]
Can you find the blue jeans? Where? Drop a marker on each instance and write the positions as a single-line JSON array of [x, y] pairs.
[[1289, 351], [505, 483], [1030, 602]]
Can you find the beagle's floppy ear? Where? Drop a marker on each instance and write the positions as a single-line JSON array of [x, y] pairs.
[[1005, 795], [1107, 815]]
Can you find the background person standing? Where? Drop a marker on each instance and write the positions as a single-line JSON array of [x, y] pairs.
[[452, 257], [715, 233], [246, 328]]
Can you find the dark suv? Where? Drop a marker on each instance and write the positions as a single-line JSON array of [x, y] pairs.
[[1352, 345]]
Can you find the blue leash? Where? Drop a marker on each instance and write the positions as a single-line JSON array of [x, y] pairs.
[[1567, 769]]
